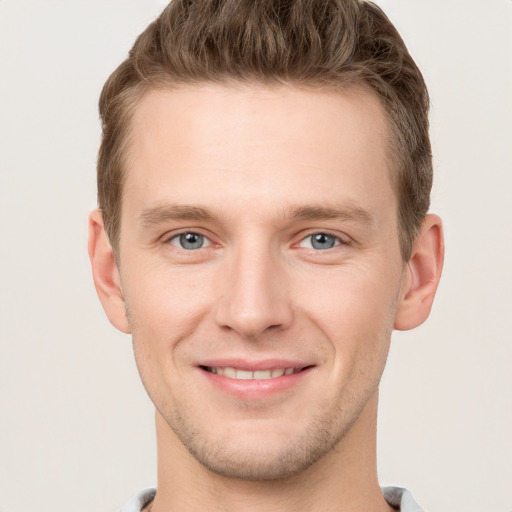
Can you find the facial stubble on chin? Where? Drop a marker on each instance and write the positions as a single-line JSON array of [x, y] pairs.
[[323, 434], [256, 462], [325, 431]]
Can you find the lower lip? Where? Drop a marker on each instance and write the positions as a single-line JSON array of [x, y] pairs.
[[255, 389]]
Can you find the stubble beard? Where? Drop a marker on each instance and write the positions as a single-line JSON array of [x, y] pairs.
[[258, 461], [325, 431]]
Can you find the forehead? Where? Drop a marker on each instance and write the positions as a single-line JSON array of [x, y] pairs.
[[213, 143]]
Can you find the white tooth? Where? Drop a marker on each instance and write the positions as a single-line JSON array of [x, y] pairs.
[[233, 373], [244, 375], [230, 373], [263, 374]]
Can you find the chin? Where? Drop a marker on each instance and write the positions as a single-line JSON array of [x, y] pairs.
[[250, 464], [261, 455]]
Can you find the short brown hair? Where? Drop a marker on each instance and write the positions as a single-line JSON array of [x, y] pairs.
[[313, 43]]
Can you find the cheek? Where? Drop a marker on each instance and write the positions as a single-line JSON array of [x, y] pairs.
[[164, 308], [165, 301], [349, 297], [355, 311]]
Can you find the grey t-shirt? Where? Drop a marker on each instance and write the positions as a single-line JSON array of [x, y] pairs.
[[397, 497]]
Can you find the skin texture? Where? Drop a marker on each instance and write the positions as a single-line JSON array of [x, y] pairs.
[[256, 172]]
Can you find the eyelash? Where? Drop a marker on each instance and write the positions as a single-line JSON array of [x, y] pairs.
[[337, 240]]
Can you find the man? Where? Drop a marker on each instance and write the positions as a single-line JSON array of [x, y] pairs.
[[263, 184]]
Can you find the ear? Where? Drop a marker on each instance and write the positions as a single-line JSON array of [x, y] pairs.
[[421, 275], [106, 274]]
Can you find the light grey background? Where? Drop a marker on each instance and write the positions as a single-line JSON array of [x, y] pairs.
[[76, 429]]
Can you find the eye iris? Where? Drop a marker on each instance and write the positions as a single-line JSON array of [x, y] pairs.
[[191, 241], [322, 241]]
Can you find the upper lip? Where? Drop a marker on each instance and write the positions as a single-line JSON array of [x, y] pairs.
[[261, 365]]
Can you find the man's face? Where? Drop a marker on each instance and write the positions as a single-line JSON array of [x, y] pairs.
[[259, 237]]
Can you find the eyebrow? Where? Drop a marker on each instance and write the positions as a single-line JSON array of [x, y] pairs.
[[349, 212], [166, 212]]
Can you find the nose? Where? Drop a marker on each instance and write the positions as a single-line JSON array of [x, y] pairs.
[[254, 294]]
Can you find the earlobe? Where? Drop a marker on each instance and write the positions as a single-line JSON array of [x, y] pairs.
[[105, 273], [421, 275]]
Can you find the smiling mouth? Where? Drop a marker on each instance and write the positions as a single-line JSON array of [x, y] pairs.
[[237, 374]]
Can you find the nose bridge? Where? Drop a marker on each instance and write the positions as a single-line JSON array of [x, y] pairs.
[[254, 291]]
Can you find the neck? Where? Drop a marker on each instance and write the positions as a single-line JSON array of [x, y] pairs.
[[343, 480]]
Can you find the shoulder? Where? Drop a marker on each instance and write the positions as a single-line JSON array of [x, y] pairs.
[[139, 501], [401, 499], [396, 496]]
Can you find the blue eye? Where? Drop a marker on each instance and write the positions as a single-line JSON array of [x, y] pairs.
[[320, 241], [190, 241]]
